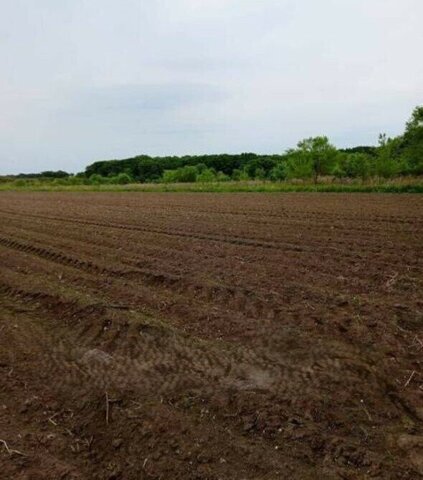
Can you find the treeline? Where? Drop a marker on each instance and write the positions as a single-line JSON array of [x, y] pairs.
[[49, 174], [46, 174], [144, 168], [310, 159]]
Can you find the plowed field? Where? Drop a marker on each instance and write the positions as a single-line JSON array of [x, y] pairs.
[[204, 336]]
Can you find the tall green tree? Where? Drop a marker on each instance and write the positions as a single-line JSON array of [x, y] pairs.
[[353, 165], [388, 161], [313, 157], [412, 142]]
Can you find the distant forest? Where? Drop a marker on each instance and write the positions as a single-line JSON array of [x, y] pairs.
[[310, 159]]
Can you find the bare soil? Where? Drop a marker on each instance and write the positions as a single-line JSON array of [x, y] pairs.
[[204, 336]]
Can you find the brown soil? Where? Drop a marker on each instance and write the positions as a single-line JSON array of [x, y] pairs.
[[204, 336]]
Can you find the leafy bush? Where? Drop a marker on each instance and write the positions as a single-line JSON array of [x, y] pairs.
[[260, 173], [201, 167], [207, 175], [96, 179], [260, 167], [74, 180], [222, 177], [411, 146], [353, 165], [278, 173], [240, 175], [121, 179], [298, 165], [387, 163], [320, 153], [169, 176], [20, 183], [60, 181], [184, 174]]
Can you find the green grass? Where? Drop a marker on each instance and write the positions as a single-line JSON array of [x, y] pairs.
[[390, 186]]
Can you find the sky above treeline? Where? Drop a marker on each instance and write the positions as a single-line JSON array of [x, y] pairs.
[[87, 80]]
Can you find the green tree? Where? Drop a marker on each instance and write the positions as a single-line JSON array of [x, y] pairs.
[[236, 174], [412, 142], [353, 165], [278, 172], [387, 159], [184, 175], [321, 154], [222, 177], [169, 176], [313, 157], [187, 174], [259, 167], [298, 164], [121, 179], [96, 179], [201, 167], [207, 175], [240, 175], [260, 173]]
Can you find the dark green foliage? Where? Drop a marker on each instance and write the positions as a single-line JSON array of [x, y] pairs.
[[238, 175], [46, 174], [149, 169], [354, 165], [185, 174], [278, 172], [388, 162], [260, 167], [321, 154], [121, 179], [298, 165], [312, 158], [372, 151], [411, 148], [206, 175], [222, 177], [96, 179]]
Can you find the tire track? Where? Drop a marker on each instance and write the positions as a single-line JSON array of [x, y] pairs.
[[238, 240], [235, 240], [237, 297]]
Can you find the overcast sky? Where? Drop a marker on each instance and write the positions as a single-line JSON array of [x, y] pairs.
[[86, 80]]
